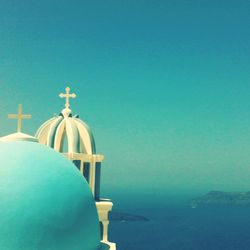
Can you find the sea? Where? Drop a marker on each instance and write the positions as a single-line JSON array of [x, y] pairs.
[[171, 223]]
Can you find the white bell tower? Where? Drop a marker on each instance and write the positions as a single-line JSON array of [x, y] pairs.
[[69, 135]]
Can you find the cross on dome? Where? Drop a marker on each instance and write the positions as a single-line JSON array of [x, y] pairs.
[[67, 96], [20, 116]]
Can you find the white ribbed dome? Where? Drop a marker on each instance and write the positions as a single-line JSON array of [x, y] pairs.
[[55, 131]]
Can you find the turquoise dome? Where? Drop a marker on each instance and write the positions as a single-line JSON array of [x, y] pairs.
[[44, 201]]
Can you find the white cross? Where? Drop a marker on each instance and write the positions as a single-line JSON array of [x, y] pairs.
[[19, 117], [67, 96]]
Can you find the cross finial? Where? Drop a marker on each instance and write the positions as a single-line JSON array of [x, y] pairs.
[[67, 95], [19, 117]]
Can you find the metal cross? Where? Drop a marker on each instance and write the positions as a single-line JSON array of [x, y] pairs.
[[67, 96], [19, 117]]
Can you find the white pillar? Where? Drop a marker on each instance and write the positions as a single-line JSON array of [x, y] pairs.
[[92, 176], [82, 167], [103, 209], [105, 224]]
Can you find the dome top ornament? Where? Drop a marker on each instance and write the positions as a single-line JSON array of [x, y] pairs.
[[19, 136], [20, 116], [67, 97]]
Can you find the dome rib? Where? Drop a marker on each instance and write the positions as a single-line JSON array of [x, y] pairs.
[[43, 131], [86, 136], [52, 131], [72, 136], [59, 136]]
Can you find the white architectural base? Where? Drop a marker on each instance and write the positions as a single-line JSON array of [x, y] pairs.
[[110, 245], [103, 208]]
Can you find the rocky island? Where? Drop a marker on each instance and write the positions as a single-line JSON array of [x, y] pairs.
[[222, 198], [119, 216]]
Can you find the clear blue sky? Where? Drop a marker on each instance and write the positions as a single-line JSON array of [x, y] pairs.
[[164, 85]]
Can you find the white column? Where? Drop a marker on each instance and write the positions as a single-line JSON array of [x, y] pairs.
[[82, 167], [105, 224], [103, 209], [92, 175]]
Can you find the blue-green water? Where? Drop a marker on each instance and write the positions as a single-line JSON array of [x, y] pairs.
[[174, 225]]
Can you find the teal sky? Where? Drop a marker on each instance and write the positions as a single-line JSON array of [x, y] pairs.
[[164, 85]]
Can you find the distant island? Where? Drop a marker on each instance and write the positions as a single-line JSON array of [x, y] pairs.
[[222, 198], [119, 216]]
